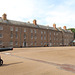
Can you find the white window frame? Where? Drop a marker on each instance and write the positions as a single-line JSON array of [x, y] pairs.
[[16, 29], [11, 28], [24, 29]]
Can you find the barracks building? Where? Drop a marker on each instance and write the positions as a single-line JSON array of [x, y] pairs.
[[22, 34]]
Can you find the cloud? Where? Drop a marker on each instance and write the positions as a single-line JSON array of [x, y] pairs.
[[17, 8], [46, 12]]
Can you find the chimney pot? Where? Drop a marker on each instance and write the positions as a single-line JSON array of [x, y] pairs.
[[34, 22], [4, 16], [54, 25], [64, 27]]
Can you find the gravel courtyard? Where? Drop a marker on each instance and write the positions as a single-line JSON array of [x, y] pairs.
[[39, 61]]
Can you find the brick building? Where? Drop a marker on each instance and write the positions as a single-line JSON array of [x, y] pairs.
[[22, 34]]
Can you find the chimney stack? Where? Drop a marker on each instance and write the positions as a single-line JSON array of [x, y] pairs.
[[54, 25], [64, 27], [34, 22], [4, 16]]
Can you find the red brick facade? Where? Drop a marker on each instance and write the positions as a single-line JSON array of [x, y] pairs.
[[19, 34]]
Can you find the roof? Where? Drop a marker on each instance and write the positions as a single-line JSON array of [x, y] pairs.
[[31, 25], [25, 24], [60, 29]]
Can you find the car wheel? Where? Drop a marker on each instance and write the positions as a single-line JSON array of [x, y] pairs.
[[1, 62]]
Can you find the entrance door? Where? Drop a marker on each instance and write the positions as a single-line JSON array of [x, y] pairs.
[[24, 44]]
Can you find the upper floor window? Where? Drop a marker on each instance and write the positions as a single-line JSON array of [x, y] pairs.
[[54, 33], [35, 37], [1, 28], [35, 31], [50, 38], [24, 29], [11, 35], [16, 35], [50, 33], [1, 35], [24, 36], [31, 36], [11, 29], [41, 32], [41, 37], [16, 29], [44, 37], [31, 31], [44, 32]]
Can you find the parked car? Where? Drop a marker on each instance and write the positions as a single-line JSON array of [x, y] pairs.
[[4, 49]]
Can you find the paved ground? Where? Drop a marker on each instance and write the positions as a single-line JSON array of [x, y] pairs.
[[39, 61]]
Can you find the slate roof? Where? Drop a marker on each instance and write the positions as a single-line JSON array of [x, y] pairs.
[[60, 29], [31, 25]]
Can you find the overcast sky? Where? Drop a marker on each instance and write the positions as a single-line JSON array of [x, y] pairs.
[[46, 12]]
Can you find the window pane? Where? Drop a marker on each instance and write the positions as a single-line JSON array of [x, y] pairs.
[[24, 29], [1, 35], [24, 36], [16, 29], [35, 31], [11, 29], [1, 28], [1, 43]]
